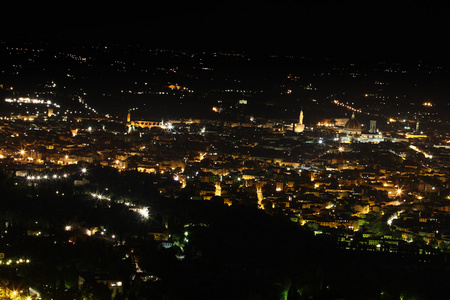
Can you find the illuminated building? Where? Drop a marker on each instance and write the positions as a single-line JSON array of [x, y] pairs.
[[141, 124], [299, 127], [352, 132], [373, 126], [352, 127]]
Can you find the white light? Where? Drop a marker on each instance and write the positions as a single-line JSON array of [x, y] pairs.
[[143, 212]]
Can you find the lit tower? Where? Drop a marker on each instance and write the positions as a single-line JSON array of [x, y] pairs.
[[259, 194], [128, 117], [128, 123], [218, 189], [373, 126], [299, 127]]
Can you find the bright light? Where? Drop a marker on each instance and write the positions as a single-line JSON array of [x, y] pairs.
[[143, 212], [83, 170], [393, 217], [399, 191], [22, 152], [341, 149]]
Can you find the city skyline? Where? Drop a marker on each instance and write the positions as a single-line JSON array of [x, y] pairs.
[[200, 152]]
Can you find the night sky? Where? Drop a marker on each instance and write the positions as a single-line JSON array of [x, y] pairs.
[[362, 29]]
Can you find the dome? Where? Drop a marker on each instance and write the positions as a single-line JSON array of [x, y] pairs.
[[352, 125]]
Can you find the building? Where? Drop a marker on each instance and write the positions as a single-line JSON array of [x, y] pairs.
[[299, 127], [352, 132], [141, 124]]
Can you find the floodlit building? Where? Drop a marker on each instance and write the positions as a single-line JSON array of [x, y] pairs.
[[299, 127], [132, 124], [352, 132]]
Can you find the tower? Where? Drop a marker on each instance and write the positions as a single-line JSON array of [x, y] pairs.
[[259, 195], [299, 127], [218, 191], [373, 126], [128, 117]]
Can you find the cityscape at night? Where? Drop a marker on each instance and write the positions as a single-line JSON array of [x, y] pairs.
[[190, 154]]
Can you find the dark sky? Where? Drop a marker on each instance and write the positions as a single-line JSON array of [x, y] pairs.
[[399, 29]]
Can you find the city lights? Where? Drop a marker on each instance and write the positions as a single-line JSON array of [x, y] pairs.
[[260, 167]]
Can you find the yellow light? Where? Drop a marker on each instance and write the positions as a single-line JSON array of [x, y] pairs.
[[399, 191]]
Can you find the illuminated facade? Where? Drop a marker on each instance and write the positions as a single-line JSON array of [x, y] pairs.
[[299, 127], [141, 124], [352, 132]]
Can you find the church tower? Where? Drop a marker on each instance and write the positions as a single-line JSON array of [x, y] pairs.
[[128, 117]]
